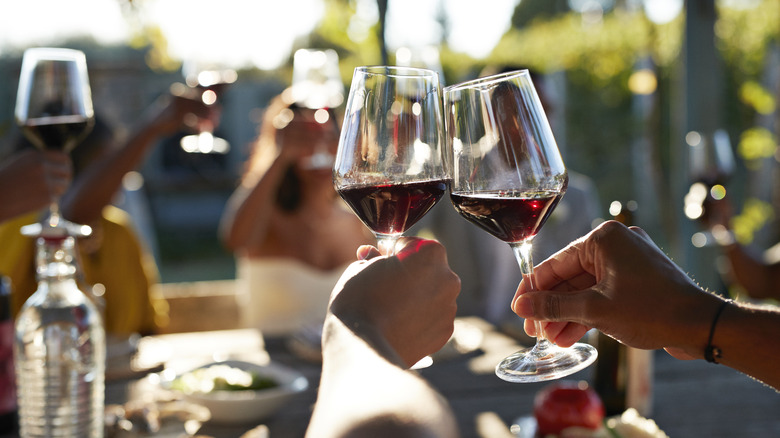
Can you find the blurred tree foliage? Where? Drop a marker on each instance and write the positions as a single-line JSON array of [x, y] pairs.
[[599, 57], [599, 54]]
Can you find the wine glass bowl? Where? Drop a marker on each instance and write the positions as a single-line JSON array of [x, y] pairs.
[[54, 108], [210, 79], [507, 178], [53, 102], [389, 165]]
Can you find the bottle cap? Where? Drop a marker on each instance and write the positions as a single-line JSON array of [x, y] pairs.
[[58, 231]]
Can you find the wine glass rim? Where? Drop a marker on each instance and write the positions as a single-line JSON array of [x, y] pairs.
[[395, 70], [488, 81], [57, 53]]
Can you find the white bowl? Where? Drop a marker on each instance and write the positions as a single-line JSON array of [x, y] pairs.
[[246, 406]]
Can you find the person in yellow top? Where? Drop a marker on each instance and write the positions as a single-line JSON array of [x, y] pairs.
[[114, 268], [115, 265]]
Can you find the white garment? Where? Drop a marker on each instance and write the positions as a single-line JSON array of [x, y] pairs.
[[280, 295]]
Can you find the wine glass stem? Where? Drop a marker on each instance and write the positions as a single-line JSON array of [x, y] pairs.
[[386, 244], [522, 252]]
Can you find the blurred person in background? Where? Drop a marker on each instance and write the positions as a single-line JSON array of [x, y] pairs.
[[291, 233], [117, 269], [757, 273]]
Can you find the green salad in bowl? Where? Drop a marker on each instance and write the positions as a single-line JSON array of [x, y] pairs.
[[222, 377], [237, 391]]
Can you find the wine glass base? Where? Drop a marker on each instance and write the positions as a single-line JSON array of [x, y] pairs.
[[546, 362], [204, 143]]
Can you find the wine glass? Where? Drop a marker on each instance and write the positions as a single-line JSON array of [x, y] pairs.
[[211, 79], [317, 85], [54, 107], [710, 166], [507, 177], [389, 166]]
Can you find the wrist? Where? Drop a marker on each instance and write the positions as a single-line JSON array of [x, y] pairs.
[[694, 320], [713, 353], [342, 334]]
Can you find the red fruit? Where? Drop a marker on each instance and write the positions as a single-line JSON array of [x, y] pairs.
[[566, 404]]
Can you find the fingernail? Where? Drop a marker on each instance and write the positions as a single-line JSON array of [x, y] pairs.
[[523, 307], [363, 252]]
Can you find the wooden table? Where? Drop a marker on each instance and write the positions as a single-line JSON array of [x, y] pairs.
[[691, 399]]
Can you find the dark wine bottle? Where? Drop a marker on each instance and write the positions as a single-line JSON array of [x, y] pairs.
[[8, 407], [623, 376]]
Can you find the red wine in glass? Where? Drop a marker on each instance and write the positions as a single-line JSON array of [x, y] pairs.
[[389, 166], [60, 133], [393, 208], [512, 216]]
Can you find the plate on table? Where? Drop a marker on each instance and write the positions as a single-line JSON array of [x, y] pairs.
[[133, 356], [236, 391]]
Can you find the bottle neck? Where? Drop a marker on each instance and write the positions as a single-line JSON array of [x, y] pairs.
[[55, 259]]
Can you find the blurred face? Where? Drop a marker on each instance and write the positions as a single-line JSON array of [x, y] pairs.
[[314, 135], [513, 146]]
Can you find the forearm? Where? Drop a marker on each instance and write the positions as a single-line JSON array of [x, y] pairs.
[[744, 337], [365, 391], [100, 181], [747, 337], [758, 278], [248, 211]]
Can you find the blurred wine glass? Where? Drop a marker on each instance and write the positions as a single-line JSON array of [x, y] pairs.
[[710, 164], [211, 78], [54, 107], [316, 84]]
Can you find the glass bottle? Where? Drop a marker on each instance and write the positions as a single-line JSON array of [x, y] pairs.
[[60, 350], [8, 419]]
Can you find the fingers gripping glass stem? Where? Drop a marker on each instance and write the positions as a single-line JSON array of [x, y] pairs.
[[522, 252]]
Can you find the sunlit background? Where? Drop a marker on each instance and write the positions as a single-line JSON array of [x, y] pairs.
[[635, 82]]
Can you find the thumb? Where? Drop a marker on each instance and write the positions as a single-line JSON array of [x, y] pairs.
[[553, 306], [367, 252]]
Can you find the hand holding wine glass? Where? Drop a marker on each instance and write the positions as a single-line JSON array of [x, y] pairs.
[[389, 165], [508, 176], [54, 105], [36, 176]]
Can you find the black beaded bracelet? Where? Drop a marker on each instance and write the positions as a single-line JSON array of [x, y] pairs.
[[711, 352]]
